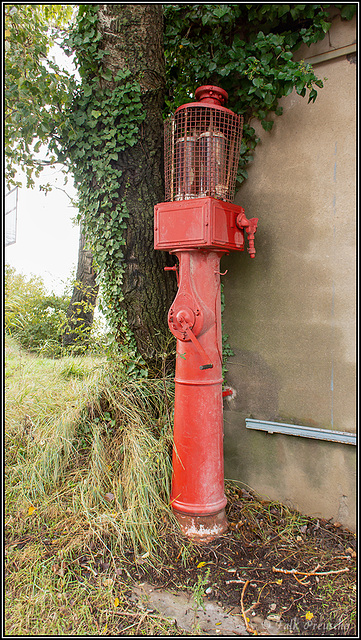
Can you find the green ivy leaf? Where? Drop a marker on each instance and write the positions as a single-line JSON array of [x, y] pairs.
[[348, 11]]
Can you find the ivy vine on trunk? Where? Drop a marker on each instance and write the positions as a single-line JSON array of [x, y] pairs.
[[80, 312], [115, 134]]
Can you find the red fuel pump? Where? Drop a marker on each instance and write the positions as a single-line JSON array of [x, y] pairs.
[[198, 224]]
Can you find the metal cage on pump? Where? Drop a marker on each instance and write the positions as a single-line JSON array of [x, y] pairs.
[[202, 146]]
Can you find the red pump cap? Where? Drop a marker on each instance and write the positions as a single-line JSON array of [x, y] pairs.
[[211, 95]]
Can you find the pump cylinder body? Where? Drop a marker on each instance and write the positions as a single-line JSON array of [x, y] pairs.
[[198, 476]]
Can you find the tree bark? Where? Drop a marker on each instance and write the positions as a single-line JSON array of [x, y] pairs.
[[132, 36], [80, 313]]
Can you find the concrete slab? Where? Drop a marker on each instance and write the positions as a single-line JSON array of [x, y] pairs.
[[211, 620]]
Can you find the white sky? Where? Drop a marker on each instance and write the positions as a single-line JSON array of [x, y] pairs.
[[46, 239]]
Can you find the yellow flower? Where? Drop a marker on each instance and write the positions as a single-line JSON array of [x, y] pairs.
[[31, 510], [309, 615], [116, 602]]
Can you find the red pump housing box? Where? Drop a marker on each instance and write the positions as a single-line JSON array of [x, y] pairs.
[[198, 223]]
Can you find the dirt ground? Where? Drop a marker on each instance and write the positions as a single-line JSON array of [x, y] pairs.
[[274, 563]]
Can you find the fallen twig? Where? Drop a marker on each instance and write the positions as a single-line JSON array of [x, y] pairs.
[[308, 573], [235, 581], [302, 581], [255, 604], [248, 628]]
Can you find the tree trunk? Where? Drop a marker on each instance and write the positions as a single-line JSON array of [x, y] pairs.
[[132, 36], [80, 312]]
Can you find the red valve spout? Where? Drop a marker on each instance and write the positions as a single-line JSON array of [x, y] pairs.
[[197, 495], [250, 227]]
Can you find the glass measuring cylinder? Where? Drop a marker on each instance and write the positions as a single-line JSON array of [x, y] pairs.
[[185, 183], [211, 165]]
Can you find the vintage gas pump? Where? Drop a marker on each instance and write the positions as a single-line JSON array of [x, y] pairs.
[[198, 224]]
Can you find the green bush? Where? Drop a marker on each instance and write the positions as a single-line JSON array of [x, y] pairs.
[[32, 315]]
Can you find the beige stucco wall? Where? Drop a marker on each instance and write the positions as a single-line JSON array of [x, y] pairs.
[[290, 312]]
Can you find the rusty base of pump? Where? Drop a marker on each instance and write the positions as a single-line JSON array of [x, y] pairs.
[[202, 528]]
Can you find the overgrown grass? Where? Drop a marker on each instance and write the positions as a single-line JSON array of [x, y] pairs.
[[97, 441], [87, 463]]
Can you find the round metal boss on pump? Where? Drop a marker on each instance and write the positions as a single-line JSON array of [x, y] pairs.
[[202, 145]]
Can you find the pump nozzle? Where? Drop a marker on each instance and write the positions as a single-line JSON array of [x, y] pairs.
[[250, 227]]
